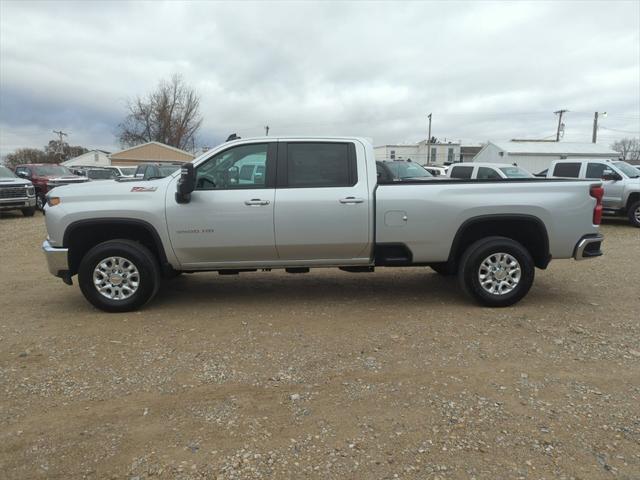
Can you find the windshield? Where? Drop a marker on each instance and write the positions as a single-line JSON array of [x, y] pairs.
[[128, 170], [402, 170], [515, 172], [6, 173], [52, 170], [627, 169], [101, 174]]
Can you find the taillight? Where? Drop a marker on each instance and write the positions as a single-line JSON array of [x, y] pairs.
[[597, 192]]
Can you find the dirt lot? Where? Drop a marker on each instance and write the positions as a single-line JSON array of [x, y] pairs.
[[324, 375]]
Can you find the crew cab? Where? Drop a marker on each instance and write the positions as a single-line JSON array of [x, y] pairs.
[[46, 176], [621, 183], [16, 193], [487, 171], [319, 203]]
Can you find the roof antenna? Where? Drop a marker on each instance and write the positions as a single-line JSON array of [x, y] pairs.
[[233, 136]]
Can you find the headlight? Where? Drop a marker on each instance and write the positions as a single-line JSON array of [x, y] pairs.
[[31, 192], [53, 201]]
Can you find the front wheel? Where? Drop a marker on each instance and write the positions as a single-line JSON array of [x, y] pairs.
[[634, 214], [496, 271], [40, 202], [119, 275]]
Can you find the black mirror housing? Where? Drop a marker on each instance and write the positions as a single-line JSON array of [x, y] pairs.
[[186, 183]]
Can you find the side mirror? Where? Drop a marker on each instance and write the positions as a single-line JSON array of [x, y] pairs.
[[22, 174], [609, 174], [186, 183]]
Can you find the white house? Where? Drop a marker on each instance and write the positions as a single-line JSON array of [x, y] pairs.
[[441, 152], [95, 158], [537, 156]]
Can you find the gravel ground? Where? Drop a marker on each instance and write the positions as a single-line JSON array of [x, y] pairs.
[[324, 375]]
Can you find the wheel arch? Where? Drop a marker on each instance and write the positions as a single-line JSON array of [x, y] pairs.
[[82, 235], [528, 230]]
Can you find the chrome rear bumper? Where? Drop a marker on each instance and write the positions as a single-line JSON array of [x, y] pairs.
[[588, 247]]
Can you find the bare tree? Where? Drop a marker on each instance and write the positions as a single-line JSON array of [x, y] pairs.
[[629, 149], [170, 115], [25, 155]]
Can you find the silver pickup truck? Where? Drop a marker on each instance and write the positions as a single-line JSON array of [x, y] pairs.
[[300, 203]]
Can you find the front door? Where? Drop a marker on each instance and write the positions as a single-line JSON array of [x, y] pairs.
[[612, 197], [229, 220], [322, 211]]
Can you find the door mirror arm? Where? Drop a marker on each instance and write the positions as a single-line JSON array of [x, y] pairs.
[[186, 183]]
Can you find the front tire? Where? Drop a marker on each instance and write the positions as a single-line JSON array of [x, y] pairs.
[[634, 214], [496, 271], [119, 275], [40, 202]]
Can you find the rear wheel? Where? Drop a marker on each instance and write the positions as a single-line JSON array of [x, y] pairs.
[[634, 214], [496, 271], [119, 275], [28, 212]]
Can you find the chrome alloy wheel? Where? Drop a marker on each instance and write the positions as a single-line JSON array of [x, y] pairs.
[[499, 273], [636, 214], [116, 278]]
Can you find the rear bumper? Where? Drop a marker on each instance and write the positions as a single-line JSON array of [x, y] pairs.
[[589, 246], [57, 260]]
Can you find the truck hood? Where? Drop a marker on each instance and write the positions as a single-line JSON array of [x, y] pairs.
[[14, 182]]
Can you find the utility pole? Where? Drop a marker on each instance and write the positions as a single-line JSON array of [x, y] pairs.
[[560, 113], [429, 141], [266, 131], [60, 147], [594, 136]]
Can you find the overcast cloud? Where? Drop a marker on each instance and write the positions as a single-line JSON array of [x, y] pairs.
[[487, 70]]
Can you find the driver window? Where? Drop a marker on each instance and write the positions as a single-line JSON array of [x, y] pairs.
[[487, 173], [239, 167]]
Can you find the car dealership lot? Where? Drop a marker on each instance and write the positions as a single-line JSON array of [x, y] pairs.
[[326, 374]]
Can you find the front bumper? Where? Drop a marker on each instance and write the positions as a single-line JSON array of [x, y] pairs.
[[16, 203], [57, 260], [589, 246]]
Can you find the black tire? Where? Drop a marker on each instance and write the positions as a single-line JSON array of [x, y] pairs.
[[445, 269], [136, 254], [633, 213], [29, 211], [40, 202], [471, 263]]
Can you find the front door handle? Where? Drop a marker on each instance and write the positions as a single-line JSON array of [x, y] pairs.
[[256, 202], [349, 200]]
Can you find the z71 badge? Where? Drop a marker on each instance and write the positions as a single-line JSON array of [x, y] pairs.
[[144, 189]]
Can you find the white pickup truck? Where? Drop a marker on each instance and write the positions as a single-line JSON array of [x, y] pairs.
[[621, 183], [301, 203]]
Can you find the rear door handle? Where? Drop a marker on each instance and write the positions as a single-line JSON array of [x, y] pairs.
[[349, 200], [256, 202]]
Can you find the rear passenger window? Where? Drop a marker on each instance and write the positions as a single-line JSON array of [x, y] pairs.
[[595, 170], [567, 170], [320, 165], [487, 173], [461, 172]]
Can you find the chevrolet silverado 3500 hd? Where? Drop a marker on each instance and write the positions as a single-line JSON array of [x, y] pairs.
[[300, 203]]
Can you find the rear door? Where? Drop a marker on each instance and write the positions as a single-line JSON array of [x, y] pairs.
[[322, 200], [229, 220]]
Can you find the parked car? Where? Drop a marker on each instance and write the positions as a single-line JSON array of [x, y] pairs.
[[621, 183], [96, 173], [123, 172], [16, 193], [321, 207], [45, 177], [397, 171], [436, 170], [487, 171], [150, 171]]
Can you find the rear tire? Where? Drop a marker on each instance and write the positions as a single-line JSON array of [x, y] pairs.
[[119, 275], [634, 214], [496, 271], [28, 212]]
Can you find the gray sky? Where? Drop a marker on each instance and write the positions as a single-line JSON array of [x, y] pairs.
[[487, 70]]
